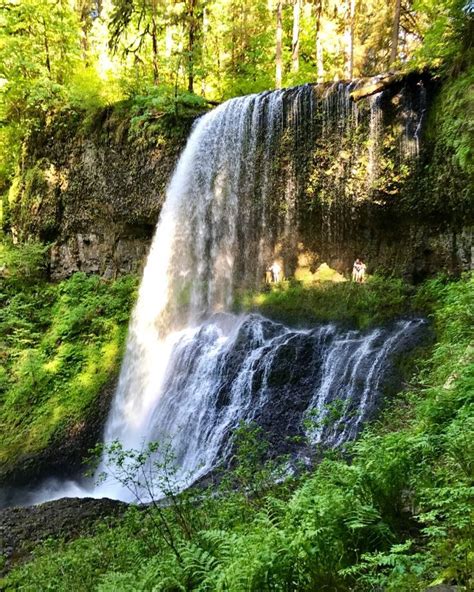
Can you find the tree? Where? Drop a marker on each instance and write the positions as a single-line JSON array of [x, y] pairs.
[[87, 11], [395, 32], [318, 43], [192, 19], [240, 46], [224, 47], [132, 24], [39, 48], [295, 43], [350, 32], [279, 43]]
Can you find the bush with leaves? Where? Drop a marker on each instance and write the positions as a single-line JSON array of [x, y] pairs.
[[23, 263]]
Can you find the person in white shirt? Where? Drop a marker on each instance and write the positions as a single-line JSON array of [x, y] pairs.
[[275, 271], [358, 271]]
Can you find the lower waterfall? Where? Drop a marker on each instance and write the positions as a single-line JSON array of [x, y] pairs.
[[232, 369], [192, 370]]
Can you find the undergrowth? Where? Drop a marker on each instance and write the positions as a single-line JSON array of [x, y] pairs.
[[154, 118], [59, 343], [397, 517]]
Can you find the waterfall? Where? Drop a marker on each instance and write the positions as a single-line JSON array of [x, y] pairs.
[[375, 127], [192, 370]]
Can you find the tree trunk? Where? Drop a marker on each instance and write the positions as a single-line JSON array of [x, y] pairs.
[[154, 41], [191, 40], [83, 10], [205, 27], [319, 45], [371, 86], [169, 42], [295, 44], [319, 61], [350, 32], [233, 42], [46, 49], [395, 31], [279, 39]]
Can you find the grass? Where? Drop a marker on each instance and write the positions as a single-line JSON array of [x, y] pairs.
[[375, 302]]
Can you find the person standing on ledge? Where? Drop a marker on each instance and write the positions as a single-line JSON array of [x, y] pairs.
[[358, 271], [276, 272]]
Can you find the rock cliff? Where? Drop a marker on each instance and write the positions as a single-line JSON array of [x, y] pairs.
[[95, 191], [369, 179]]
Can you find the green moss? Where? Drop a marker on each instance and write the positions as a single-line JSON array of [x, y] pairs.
[[60, 345], [153, 120], [451, 120], [442, 183], [361, 305]]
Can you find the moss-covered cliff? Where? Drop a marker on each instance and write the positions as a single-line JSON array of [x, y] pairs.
[[386, 179], [93, 187], [389, 187], [61, 347]]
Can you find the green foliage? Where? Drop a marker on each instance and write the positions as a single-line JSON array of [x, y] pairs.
[[166, 99], [60, 345], [452, 122], [397, 517], [58, 55], [23, 263], [162, 110], [377, 301], [87, 91], [38, 51], [446, 26]]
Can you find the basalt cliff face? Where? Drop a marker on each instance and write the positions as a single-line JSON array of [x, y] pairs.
[[346, 178], [95, 191]]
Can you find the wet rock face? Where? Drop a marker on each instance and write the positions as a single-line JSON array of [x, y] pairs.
[[102, 254], [329, 376], [95, 195], [265, 373], [22, 529]]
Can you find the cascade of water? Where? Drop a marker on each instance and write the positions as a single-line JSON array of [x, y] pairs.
[[231, 369], [273, 123], [375, 132], [191, 371], [414, 108]]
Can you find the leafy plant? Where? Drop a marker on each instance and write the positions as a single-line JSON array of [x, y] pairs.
[[26, 262]]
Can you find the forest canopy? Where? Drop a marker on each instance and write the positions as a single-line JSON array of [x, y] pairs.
[[89, 53]]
